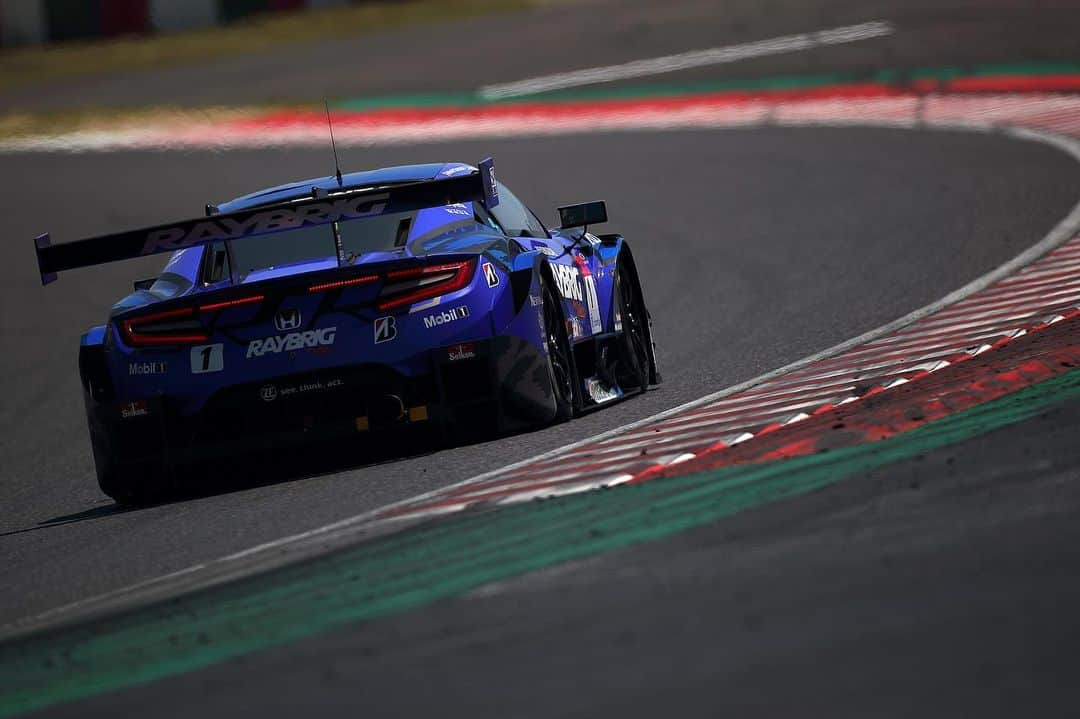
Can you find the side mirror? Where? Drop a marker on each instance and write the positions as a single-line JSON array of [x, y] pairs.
[[583, 215]]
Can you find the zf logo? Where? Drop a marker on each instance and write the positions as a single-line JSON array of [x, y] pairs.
[[287, 320], [566, 278], [490, 275], [385, 329]]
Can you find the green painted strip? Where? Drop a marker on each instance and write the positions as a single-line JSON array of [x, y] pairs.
[[412, 568], [793, 82]]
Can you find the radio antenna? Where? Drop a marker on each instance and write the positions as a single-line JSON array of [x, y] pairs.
[[333, 145]]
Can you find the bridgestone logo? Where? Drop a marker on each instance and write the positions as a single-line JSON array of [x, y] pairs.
[[291, 342], [566, 278], [458, 313], [261, 223]]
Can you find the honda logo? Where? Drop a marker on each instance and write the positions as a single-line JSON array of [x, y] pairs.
[[287, 320]]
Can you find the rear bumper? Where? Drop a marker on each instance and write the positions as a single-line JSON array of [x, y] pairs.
[[474, 388]]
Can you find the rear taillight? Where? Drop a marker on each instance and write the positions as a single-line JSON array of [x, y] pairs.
[[366, 279], [231, 303], [401, 287], [176, 327], [404, 287], [164, 328]]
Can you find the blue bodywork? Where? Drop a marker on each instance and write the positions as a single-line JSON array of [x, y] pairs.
[[308, 349]]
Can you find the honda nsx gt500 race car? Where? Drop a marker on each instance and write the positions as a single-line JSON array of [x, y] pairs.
[[345, 306]]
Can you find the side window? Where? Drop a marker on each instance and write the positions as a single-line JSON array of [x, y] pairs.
[[515, 218]]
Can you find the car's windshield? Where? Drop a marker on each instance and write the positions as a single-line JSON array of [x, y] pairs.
[[422, 231], [316, 242]]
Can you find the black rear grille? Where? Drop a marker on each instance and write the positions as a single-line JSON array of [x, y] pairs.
[[324, 400]]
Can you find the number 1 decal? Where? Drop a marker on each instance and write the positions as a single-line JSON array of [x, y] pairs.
[[207, 358]]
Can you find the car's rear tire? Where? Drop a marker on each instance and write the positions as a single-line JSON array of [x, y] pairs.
[[134, 484], [562, 369], [635, 360]]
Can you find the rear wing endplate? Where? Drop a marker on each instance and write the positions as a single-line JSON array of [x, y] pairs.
[[320, 209]]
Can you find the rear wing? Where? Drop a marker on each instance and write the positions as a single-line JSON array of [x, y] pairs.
[[322, 208]]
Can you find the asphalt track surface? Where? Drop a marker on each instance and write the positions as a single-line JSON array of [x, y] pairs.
[[758, 247], [940, 586], [774, 244]]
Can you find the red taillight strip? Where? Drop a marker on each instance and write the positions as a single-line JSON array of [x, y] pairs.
[[343, 283], [426, 270], [137, 340], [130, 326], [463, 272], [231, 303]]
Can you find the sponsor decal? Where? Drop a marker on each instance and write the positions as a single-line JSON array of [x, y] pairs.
[[574, 328], [579, 309], [536, 300], [601, 392], [451, 171], [446, 316], [259, 223], [458, 209], [207, 358], [592, 239], [137, 408], [287, 320], [145, 368], [270, 392], [293, 341], [566, 279], [385, 329], [491, 275], [545, 249], [595, 324], [463, 351]]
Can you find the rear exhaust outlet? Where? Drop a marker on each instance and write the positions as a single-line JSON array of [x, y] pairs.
[[388, 408]]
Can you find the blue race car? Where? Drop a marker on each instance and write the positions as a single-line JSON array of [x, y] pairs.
[[349, 306]]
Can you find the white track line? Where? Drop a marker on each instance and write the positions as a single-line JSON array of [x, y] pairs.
[[687, 60], [320, 540]]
